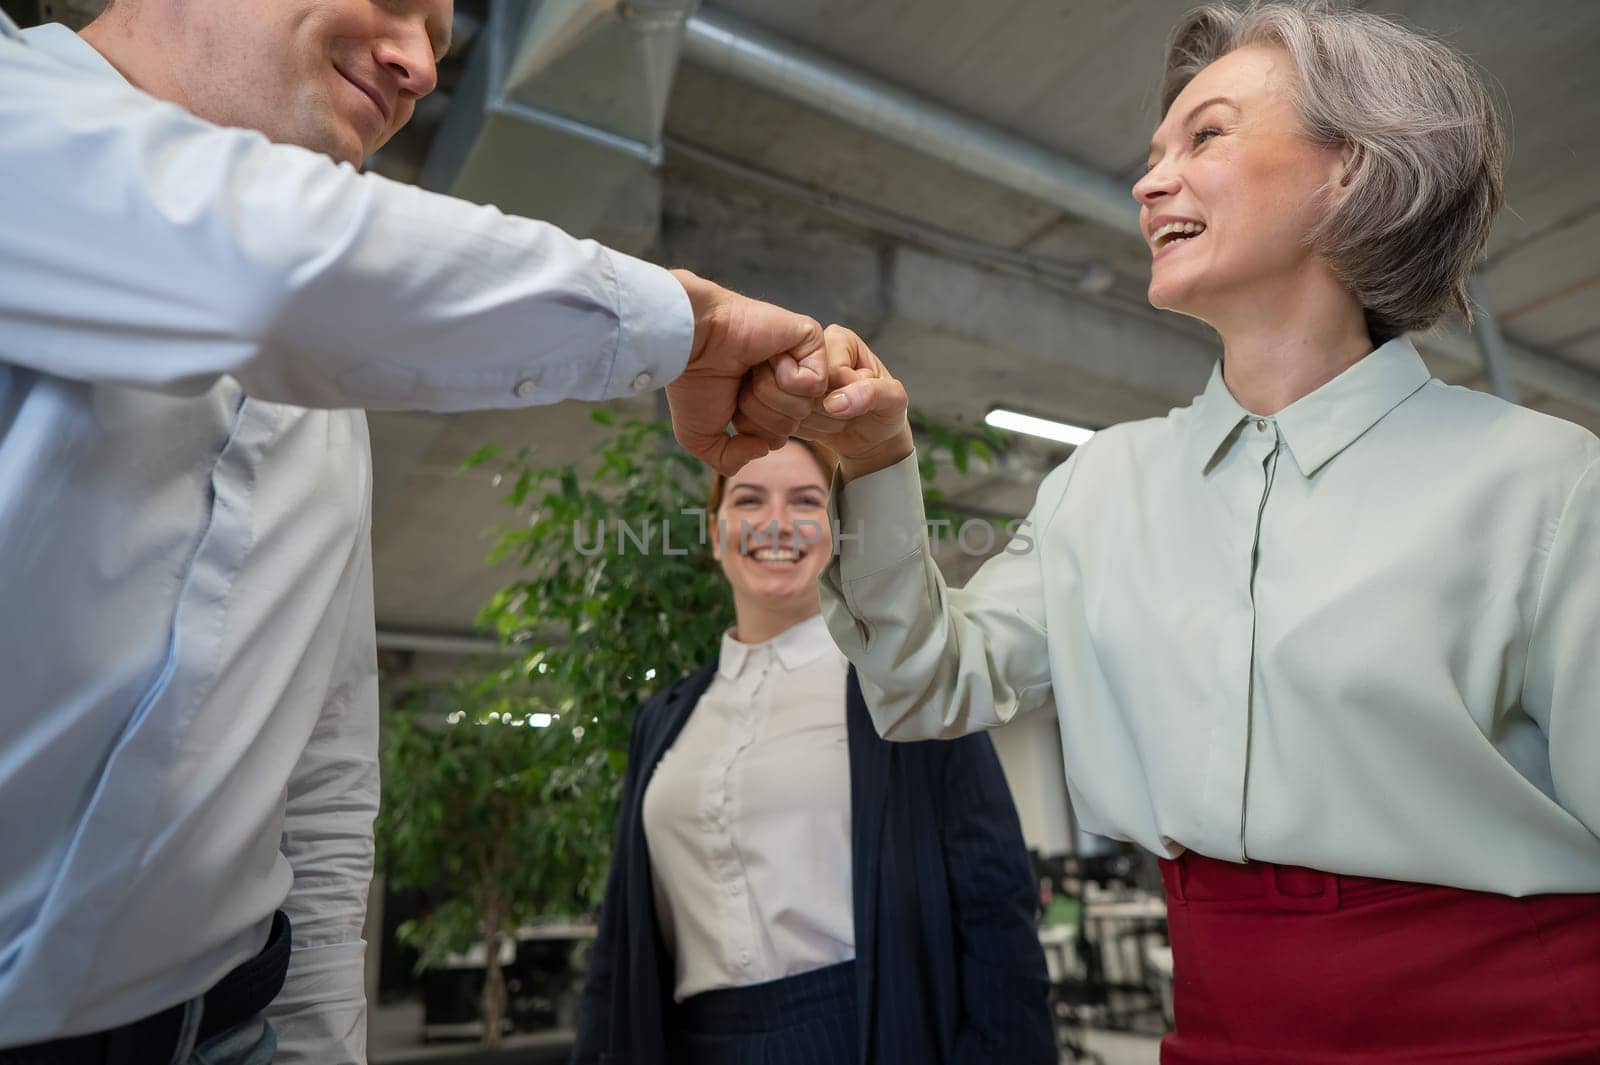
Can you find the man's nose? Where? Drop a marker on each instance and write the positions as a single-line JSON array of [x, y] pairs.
[[409, 58]]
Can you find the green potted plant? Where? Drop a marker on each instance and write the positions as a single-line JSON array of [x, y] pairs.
[[501, 800]]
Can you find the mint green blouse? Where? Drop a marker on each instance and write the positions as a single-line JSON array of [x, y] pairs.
[[1361, 635]]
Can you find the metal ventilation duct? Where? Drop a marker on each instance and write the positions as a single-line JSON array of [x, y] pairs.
[[559, 115]]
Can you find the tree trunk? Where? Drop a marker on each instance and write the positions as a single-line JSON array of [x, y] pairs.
[[494, 991]]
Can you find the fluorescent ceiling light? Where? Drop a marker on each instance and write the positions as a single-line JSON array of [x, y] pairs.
[[1016, 422]]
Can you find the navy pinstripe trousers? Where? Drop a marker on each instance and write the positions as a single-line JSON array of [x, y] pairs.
[[809, 1019]]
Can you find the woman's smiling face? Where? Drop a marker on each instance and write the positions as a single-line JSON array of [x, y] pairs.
[[772, 535], [1234, 187]]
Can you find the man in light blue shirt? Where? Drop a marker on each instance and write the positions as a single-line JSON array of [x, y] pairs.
[[192, 317]]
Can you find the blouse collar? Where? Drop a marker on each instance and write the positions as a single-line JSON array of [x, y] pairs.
[[1318, 426], [794, 647]]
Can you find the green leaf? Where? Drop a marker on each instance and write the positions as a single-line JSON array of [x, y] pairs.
[[480, 456]]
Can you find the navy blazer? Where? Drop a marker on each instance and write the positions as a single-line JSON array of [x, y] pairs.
[[949, 970]]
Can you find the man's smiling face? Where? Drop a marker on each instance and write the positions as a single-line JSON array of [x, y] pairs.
[[336, 76]]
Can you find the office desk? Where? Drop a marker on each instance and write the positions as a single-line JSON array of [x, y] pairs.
[[1126, 928]]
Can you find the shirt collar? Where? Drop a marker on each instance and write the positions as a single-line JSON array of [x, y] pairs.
[[57, 40], [794, 647], [1318, 426], [1216, 414]]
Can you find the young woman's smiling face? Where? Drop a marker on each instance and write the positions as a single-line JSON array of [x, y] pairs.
[[772, 534]]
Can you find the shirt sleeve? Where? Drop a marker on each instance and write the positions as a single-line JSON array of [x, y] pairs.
[[320, 1016], [144, 247], [1561, 691], [935, 662]]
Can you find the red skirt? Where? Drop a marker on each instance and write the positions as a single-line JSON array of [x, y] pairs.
[[1279, 965]]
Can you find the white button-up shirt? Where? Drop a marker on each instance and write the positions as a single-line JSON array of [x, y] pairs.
[[1362, 635], [747, 819], [189, 317]]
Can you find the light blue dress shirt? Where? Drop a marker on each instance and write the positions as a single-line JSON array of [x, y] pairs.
[[189, 319], [1362, 635]]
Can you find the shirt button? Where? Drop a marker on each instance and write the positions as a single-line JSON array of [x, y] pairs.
[[744, 957], [643, 380], [524, 388], [735, 888], [1261, 425]]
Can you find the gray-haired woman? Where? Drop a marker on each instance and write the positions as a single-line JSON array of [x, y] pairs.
[[1328, 639]]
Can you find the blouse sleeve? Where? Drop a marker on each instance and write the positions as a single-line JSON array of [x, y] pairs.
[[935, 662]]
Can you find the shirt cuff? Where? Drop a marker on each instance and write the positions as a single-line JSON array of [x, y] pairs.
[[655, 327], [320, 1016], [878, 519]]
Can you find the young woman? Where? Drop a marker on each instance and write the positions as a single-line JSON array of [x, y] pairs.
[[1324, 640], [786, 887]]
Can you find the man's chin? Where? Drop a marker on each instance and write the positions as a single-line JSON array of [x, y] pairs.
[[335, 145], [353, 152], [341, 142]]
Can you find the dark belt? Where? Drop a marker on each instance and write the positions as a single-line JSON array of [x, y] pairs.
[[237, 997]]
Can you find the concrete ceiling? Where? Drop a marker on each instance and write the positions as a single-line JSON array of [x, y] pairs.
[[1077, 78]]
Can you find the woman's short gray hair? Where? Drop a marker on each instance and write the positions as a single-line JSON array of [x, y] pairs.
[[1424, 182]]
